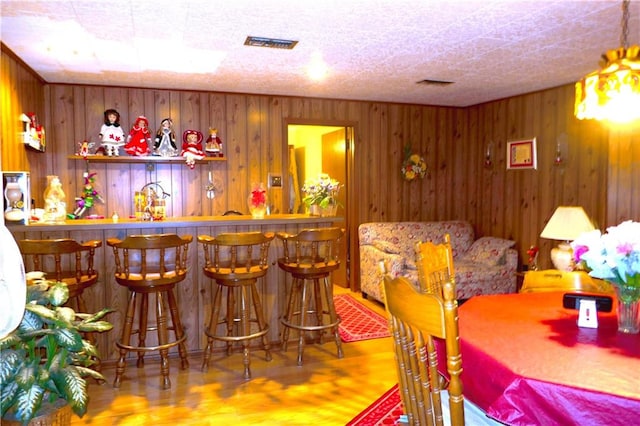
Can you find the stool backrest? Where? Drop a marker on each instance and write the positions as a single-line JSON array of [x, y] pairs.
[[153, 259], [61, 259], [319, 247], [242, 255]]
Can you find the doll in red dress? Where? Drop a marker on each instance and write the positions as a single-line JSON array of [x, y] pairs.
[[192, 147], [139, 137]]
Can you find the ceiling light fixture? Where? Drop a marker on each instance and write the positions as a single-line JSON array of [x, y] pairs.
[[613, 92]]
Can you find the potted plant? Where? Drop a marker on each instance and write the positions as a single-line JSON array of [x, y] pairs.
[[44, 362], [320, 195]]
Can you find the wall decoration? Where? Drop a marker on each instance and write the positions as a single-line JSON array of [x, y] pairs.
[[521, 154], [33, 134], [413, 166]]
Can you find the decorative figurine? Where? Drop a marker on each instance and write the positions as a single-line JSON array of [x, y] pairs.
[[139, 138], [88, 198], [165, 140], [111, 133], [33, 134], [83, 148], [192, 147], [213, 145]]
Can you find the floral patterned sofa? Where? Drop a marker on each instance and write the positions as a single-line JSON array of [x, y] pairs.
[[484, 266]]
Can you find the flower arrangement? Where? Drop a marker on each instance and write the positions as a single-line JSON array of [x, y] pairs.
[[321, 191], [257, 201], [88, 198], [613, 256], [413, 165], [258, 196]]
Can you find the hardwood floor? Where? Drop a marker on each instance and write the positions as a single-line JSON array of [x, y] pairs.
[[325, 390]]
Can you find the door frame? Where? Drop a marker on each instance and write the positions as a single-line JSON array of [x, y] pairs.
[[350, 219]]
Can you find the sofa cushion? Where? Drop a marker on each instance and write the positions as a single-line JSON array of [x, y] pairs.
[[489, 251]]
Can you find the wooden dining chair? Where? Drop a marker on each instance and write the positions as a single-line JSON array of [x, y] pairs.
[[435, 265], [553, 280], [417, 319]]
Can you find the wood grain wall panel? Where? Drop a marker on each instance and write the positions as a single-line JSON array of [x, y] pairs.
[[21, 91], [600, 176]]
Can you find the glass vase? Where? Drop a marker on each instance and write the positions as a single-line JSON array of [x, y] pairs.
[[628, 308], [257, 201]]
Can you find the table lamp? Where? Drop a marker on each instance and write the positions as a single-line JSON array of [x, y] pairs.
[[566, 224]]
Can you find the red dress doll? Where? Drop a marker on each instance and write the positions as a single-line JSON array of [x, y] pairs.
[[139, 137], [192, 147]]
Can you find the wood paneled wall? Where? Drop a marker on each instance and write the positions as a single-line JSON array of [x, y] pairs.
[[598, 170]]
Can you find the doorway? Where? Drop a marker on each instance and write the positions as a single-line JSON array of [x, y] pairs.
[[323, 147]]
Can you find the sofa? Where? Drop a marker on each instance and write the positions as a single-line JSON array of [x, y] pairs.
[[484, 266]]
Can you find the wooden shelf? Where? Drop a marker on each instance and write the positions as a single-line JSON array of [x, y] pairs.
[[148, 159]]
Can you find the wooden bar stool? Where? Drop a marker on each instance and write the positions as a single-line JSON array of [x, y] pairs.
[[151, 264], [62, 260], [310, 257], [235, 261]]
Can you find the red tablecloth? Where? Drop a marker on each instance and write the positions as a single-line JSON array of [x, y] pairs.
[[526, 362]]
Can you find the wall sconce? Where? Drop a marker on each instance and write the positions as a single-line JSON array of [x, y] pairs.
[[487, 156], [561, 150]]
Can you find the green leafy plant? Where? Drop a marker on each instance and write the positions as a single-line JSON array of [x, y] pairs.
[[46, 359], [321, 191]]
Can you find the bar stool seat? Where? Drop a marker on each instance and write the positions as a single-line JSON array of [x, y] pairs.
[[235, 261], [151, 264], [310, 256]]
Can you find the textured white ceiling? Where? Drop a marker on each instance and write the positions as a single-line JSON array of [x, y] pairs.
[[375, 49]]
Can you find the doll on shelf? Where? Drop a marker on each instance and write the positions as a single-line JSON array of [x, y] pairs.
[[165, 141], [213, 144], [139, 137], [111, 133], [192, 147]]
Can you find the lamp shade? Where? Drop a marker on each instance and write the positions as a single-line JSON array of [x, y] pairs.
[[567, 223]]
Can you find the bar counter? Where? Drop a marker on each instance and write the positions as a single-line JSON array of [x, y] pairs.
[[194, 294]]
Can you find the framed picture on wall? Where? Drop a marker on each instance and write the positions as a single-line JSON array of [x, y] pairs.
[[521, 154]]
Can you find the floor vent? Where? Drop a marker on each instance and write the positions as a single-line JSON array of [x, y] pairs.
[[428, 82], [272, 43]]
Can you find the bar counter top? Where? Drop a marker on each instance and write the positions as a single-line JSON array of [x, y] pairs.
[[171, 222]]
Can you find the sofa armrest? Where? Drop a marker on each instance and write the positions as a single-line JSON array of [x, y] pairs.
[[370, 273], [511, 259]]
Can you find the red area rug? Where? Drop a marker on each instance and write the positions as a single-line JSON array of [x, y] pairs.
[[384, 411], [357, 321]]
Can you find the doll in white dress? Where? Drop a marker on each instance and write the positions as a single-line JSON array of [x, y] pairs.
[[111, 133]]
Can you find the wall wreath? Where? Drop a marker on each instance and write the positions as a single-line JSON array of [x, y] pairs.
[[413, 166]]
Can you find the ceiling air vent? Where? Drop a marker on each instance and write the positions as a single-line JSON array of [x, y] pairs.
[[273, 43], [428, 82]]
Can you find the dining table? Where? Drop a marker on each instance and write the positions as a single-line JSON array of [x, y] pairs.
[[526, 362]]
